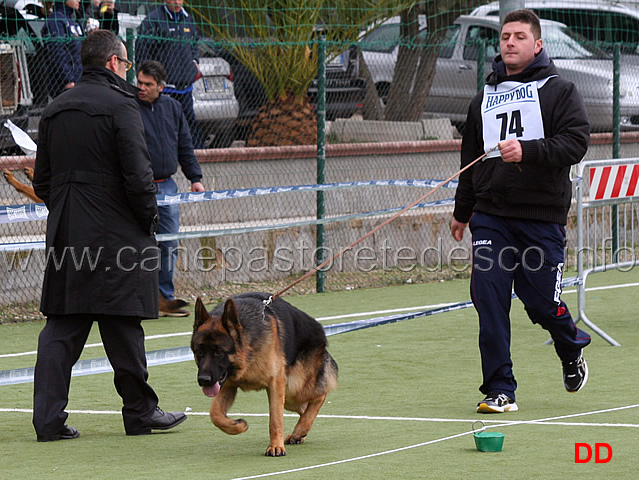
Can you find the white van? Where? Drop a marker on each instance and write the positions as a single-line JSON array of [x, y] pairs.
[[600, 21]]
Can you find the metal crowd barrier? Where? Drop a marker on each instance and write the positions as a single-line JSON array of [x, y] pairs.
[[607, 194]]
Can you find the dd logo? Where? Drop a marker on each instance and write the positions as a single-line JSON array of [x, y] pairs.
[[587, 450]]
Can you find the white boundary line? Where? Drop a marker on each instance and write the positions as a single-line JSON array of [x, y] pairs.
[[335, 317], [498, 423]]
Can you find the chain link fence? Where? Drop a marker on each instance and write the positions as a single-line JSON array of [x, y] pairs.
[[377, 128]]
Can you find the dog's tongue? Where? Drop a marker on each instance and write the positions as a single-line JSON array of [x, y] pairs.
[[212, 391]]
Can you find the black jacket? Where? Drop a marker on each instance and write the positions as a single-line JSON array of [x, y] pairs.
[[168, 139], [542, 190], [93, 172]]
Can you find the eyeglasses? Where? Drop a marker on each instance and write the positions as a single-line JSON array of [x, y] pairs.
[[128, 63]]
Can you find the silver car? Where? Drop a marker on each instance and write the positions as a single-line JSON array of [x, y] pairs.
[[214, 102], [455, 82]]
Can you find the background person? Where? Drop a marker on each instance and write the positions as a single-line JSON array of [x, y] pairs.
[[517, 203], [63, 38], [169, 142], [93, 172], [168, 35], [103, 12]]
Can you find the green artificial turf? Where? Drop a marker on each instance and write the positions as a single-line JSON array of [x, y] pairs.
[[404, 409]]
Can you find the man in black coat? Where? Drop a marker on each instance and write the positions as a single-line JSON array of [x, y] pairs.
[[93, 172]]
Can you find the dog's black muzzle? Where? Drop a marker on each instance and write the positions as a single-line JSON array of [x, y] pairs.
[[208, 381], [205, 380]]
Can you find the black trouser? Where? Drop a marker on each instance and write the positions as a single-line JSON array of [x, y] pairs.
[[59, 347]]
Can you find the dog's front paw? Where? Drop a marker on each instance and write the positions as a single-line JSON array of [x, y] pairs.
[[7, 174], [230, 427], [291, 440], [275, 451], [28, 171], [240, 425]]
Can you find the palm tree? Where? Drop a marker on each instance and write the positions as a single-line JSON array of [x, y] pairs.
[[277, 41]]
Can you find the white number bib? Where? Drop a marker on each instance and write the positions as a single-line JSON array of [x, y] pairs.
[[511, 110]]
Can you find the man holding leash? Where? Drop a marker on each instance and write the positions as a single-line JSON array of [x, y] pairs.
[[169, 142], [516, 203], [93, 172]]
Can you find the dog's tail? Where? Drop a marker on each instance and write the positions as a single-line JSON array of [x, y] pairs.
[[328, 378], [171, 306]]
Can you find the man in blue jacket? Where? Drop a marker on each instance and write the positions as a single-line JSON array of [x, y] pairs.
[[62, 46], [168, 35], [169, 142], [516, 203]]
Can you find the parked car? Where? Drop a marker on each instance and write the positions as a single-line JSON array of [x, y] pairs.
[[600, 21], [214, 102], [455, 81]]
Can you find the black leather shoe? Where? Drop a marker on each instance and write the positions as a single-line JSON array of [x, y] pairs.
[[67, 433], [160, 421]]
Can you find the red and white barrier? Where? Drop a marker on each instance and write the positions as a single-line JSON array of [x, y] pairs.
[[617, 181]]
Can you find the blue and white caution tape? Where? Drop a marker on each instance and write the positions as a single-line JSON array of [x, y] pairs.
[[23, 213], [301, 223], [189, 197], [38, 211]]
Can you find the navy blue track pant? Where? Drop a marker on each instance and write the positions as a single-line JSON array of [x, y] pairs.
[[529, 255]]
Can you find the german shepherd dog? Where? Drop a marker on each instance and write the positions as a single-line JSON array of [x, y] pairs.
[[166, 306], [244, 344]]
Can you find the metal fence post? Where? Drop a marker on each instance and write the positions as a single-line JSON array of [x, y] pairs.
[[481, 65], [321, 157], [130, 48], [616, 118]]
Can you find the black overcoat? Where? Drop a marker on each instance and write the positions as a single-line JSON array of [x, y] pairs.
[[94, 174]]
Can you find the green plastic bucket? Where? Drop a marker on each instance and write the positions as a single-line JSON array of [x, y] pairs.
[[488, 441]]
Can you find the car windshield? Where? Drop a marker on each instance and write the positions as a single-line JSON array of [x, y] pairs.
[[562, 43]]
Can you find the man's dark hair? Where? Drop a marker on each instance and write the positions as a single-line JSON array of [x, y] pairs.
[[153, 69], [525, 16], [99, 46]]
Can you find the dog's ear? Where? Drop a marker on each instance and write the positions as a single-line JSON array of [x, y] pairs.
[[201, 314], [231, 320]]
